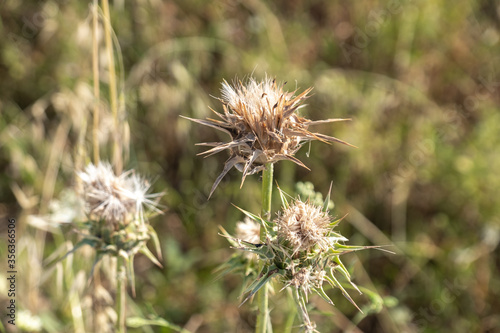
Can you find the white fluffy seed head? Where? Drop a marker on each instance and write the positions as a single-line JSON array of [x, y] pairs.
[[115, 199], [248, 230]]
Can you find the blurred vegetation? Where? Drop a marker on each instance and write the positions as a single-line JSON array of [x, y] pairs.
[[420, 79]]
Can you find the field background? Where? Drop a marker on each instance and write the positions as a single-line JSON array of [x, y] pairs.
[[420, 79]]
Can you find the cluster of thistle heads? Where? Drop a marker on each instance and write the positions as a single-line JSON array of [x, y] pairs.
[[299, 245], [300, 248]]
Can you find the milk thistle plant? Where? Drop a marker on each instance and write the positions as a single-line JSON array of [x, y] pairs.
[[117, 208], [299, 245], [301, 249], [117, 205]]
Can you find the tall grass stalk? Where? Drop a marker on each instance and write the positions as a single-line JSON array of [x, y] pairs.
[[95, 72], [117, 160], [263, 293], [121, 268]]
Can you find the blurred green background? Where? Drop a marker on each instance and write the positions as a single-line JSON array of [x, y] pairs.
[[420, 79]]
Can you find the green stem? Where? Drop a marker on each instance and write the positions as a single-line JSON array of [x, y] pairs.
[[262, 294], [291, 313], [120, 298], [267, 191], [302, 311]]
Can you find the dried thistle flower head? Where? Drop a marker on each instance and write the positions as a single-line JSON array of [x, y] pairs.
[[106, 196], [248, 230], [301, 279], [116, 207], [115, 199], [262, 121], [307, 278], [304, 225]]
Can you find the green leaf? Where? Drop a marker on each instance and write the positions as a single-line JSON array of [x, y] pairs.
[[266, 224], [259, 283], [341, 268], [235, 264], [284, 202], [326, 204], [332, 280], [260, 249]]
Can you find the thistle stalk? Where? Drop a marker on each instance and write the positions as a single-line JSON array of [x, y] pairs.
[[263, 293], [120, 299], [302, 312], [267, 191]]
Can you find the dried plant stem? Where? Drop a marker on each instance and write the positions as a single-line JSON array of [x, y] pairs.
[[121, 294], [95, 70], [112, 86], [262, 295]]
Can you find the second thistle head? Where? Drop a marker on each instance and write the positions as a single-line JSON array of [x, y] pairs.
[[303, 225], [262, 121], [115, 199]]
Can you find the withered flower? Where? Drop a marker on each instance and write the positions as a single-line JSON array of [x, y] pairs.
[[106, 195], [117, 208], [262, 121], [304, 225], [117, 200], [248, 230]]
